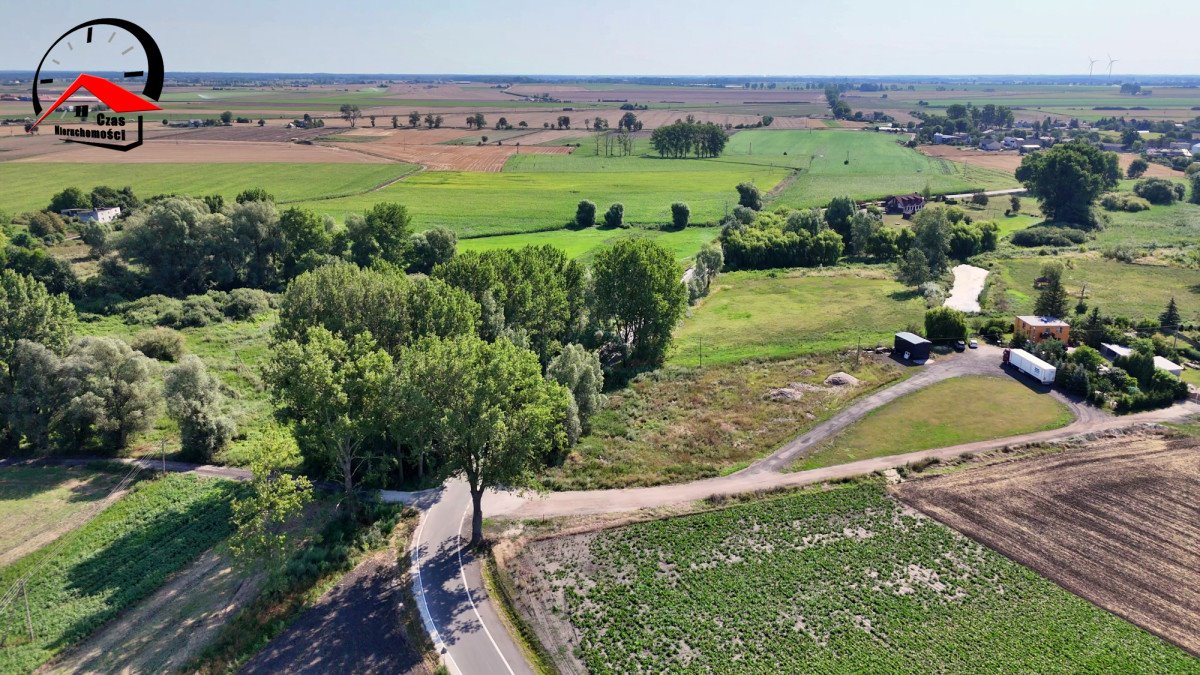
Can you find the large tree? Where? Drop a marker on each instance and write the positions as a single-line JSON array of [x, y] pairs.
[[931, 234], [492, 417], [194, 401], [1052, 300], [307, 239], [29, 312], [943, 324], [180, 246], [1067, 178], [383, 233], [108, 394], [640, 293], [579, 371]]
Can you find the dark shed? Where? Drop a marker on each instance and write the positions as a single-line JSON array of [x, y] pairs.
[[911, 347]]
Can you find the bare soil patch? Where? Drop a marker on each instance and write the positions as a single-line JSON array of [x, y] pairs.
[[478, 158], [1115, 522], [168, 151], [1008, 161]]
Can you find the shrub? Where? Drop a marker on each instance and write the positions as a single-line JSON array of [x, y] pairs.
[[153, 310], [680, 214], [1123, 201], [246, 303], [615, 216], [749, 196], [585, 214], [979, 199], [199, 310], [1195, 199], [1158, 190], [194, 401], [1192, 169], [1049, 236], [95, 234], [46, 225], [162, 344]]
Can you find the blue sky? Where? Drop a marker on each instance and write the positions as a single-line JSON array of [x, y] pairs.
[[651, 37]]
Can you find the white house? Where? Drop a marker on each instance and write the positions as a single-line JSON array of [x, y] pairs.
[[100, 215], [990, 145]]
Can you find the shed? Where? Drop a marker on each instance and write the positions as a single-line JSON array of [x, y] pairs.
[[911, 347], [1168, 365]]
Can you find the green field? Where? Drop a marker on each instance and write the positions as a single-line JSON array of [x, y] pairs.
[[585, 243], [37, 501], [1162, 226], [28, 186], [829, 580], [116, 559], [483, 204], [954, 411], [1119, 289], [776, 314]]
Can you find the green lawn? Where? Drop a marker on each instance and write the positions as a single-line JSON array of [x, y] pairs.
[[777, 314], [115, 560], [36, 501], [951, 412], [1119, 289], [834, 579], [1161, 226], [29, 185], [585, 243]]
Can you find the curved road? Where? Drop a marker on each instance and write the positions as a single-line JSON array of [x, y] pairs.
[[449, 588]]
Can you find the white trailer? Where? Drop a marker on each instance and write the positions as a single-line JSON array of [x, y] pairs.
[[1031, 365]]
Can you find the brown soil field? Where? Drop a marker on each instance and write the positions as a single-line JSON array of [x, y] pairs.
[[211, 152], [1115, 521], [707, 95], [481, 158], [407, 136], [1009, 160]]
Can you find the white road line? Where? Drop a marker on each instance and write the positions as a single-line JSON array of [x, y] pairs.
[[467, 587], [422, 606]]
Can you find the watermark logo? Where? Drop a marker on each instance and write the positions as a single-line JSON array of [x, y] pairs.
[[93, 47]]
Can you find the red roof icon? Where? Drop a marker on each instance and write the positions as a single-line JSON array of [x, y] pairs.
[[116, 97]]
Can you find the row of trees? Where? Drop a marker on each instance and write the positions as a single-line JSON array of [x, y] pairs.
[[680, 139]]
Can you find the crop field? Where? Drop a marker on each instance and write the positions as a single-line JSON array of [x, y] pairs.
[[1114, 521], [586, 243], [116, 559], [40, 503], [779, 314], [954, 411], [29, 186], [688, 423], [1119, 289], [484, 204], [834, 579]]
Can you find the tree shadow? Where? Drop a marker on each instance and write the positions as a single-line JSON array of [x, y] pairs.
[[445, 597], [905, 295], [27, 478]]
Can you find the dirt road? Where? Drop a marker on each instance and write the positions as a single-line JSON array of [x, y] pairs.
[[968, 284]]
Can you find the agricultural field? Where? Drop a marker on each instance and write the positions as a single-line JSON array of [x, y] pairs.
[[683, 424], [585, 243], [951, 412], [831, 579], [1114, 521], [40, 503], [785, 313], [1119, 289], [119, 557], [29, 186]]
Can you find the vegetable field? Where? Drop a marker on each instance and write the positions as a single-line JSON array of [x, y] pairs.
[[835, 579], [115, 560]]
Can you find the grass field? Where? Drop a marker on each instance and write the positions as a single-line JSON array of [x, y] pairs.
[[954, 411], [38, 503], [683, 424], [777, 314], [1119, 289], [116, 559], [1161, 226], [482, 204], [833, 579], [29, 185], [585, 243]]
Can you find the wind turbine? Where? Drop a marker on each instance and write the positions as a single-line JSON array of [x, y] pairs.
[[1111, 61], [1091, 65]]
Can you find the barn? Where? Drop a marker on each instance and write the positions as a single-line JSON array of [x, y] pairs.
[[911, 347]]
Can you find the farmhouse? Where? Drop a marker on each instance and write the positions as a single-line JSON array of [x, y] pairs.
[[1012, 142], [950, 139], [98, 215], [1038, 328], [905, 204], [912, 347], [990, 145]]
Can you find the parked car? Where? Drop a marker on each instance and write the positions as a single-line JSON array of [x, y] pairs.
[[973, 344], [960, 346]]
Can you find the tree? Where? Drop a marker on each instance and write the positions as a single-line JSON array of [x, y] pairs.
[[615, 215], [838, 214], [1195, 198], [372, 118], [414, 119], [980, 199], [70, 198], [432, 248], [350, 113], [30, 312], [862, 228], [306, 240], [254, 195], [1158, 191], [944, 324], [749, 196], [47, 225], [497, 417], [680, 214], [931, 234], [585, 213], [1137, 168], [579, 371], [255, 255], [194, 401], [709, 261], [638, 291], [108, 394], [383, 233], [1170, 317], [1014, 204], [330, 389], [104, 196], [1052, 300], [262, 122], [274, 499], [914, 268], [1067, 178], [227, 118], [395, 122], [29, 396]]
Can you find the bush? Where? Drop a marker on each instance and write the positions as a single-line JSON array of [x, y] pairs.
[[246, 303], [979, 199], [1123, 201], [1192, 169], [585, 214], [1159, 191], [46, 225], [95, 234], [198, 311], [1043, 235], [153, 310], [615, 216], [162, 344], [680, 214]]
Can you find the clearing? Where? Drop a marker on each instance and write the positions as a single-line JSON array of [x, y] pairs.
[[829, 579], [40, 503], [950, 412], [1115, 521], [785, 313]]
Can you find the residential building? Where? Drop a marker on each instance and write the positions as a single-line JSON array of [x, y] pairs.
[[990, 145], [1038, 328], [904, 204], [98, 215]]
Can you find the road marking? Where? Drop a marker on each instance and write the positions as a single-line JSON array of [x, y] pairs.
[[466, 586], [426, 617]]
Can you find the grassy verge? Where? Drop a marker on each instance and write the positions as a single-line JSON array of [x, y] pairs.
[[500, 588], [954, 411], [37, 501]]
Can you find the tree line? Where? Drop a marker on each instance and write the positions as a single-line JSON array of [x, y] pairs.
[[680, 139]]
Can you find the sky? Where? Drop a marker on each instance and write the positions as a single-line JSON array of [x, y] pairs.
[[623, 37]]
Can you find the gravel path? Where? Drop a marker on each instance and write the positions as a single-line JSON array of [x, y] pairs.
[[968, 285]]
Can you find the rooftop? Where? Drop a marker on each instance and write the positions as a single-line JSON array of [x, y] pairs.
[[1046, 321]]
